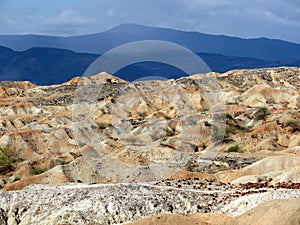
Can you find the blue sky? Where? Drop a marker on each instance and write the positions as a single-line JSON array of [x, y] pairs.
[[278, 19]]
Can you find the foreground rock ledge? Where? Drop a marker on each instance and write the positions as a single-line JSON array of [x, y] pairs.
[[120, 203]]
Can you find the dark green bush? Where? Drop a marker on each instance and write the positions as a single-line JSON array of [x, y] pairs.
[[7, 159], [207, 124], [230, 130], [167, 117], [292, 123], [103, 125], [16, 178], [37, 171], [234, 148], [228, 116], [262, 114]]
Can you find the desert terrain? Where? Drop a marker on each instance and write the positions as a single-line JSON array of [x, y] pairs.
[[205, 149]]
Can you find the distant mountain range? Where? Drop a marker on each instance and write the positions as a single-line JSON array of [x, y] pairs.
[[261, 48], [43, 65], [48, 59], [51, 65]]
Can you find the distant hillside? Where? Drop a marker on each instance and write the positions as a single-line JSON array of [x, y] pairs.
[[43, 65], [216, 62], [261, 48], [51, 66]]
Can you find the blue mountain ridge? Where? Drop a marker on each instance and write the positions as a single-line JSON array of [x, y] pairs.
[[47, 66], [260, 48]]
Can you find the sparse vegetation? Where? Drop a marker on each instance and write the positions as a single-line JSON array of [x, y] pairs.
[[207, 124], [7, 159], [218, 134], [60, 161], [228, 116], [230, 103], [191, 166], [221, 134], [254, 135], [102, 125], [16, 178], [37, 171], [234, 148], [167, 117], [292, 123], [6, 156], [171, 131], [230, 129], [262, 114]]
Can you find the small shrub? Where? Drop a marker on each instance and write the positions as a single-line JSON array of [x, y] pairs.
[[230, 130], [16, 178], [167, 117], [254, 135], [102, 126], [37, 171], [262, 114], [218, 134], [228, 116], [292, 123], [207, 124], [4, 159], [234, 148], [191, 166], [7, 158], [61, 161], [227, 140], [171, 131]]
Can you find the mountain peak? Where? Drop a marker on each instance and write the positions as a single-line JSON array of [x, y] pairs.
[[128, 26]]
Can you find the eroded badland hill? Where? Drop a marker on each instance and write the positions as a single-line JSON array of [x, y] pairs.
[[209, 149]]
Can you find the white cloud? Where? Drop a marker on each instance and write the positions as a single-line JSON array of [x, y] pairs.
[[196, 5], [110, 12], [277, 19], [69, 18]]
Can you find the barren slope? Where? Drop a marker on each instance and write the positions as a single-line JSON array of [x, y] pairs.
[[239, 127]]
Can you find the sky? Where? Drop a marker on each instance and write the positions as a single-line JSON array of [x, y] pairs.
[[277, 19]]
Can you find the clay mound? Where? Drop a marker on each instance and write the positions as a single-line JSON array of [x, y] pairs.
[[53, 176], [173, 219], [98, 77], [169, 220], [279, 168], [275, 212], [76, 171]]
